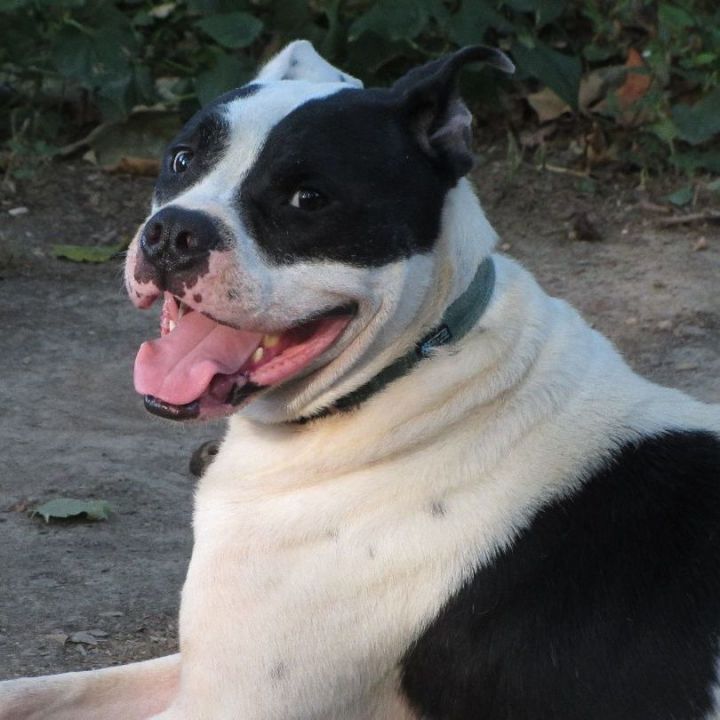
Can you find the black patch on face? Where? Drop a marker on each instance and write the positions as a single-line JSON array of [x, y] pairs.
[[604, 608], [206, 134], [384, 194]]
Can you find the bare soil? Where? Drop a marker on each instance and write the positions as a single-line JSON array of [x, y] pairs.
[[72, 426]]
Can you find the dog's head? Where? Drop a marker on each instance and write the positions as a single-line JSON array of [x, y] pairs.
[[304, 232]]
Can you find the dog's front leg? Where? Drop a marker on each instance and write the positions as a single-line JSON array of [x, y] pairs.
[[129, 692]]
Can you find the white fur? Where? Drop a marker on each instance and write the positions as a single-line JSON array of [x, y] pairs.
[[300, 61], [318, 558]]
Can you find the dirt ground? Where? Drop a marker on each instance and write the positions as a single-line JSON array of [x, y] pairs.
[[71, 424]]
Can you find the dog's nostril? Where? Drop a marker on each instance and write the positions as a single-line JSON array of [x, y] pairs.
[[154, 233], [184, 241]]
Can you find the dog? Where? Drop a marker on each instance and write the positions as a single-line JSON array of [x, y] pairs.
[[441, 495]]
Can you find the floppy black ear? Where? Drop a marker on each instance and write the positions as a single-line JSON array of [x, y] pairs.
[[428, 98]]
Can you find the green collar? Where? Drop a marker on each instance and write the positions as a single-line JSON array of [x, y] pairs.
[[458, 319]]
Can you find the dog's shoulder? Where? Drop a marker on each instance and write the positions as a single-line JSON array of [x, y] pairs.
[[621, 573]]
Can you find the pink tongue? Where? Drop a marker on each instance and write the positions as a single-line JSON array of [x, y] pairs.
[[179, 366]]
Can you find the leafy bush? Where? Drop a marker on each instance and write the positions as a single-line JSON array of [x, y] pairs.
[[66, 66]]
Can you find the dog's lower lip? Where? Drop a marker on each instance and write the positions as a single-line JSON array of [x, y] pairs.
[[169, 411]]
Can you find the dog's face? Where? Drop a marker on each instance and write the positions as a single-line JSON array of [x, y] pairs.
[[292, 233]]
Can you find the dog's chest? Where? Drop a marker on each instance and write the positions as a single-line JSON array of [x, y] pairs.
[[309, 582], [313, 595]]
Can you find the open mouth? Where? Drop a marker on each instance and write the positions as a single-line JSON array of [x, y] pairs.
[[201, 368]]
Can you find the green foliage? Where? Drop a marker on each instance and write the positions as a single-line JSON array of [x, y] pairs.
[[69, 65]]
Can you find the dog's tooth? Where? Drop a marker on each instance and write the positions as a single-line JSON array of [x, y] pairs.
[[171, 325], [181, 309], [257, 356], [270, 341]]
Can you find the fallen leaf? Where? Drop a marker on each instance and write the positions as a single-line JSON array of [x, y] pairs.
[[136, 143], [597, 149], [535, 138], [547, 105], [593, 87], [163, 11], [87, 253], [681, 197], [145, 167], [700, 244], [635, 87], [62, 508]]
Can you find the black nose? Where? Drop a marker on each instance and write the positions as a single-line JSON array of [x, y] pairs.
[[176, 238]]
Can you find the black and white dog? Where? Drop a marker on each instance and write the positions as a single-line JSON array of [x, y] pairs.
[[441, 494]]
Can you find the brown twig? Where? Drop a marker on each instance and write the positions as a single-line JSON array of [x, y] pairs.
[[707, 216], [567, 171], [653, 207], [83, 142]]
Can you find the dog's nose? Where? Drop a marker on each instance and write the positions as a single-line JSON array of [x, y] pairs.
[[177, 238]]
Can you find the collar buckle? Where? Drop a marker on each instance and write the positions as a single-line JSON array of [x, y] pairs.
[[438, 337]]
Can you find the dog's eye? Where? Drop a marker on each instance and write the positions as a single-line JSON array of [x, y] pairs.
[[308, 199], [181, 160]]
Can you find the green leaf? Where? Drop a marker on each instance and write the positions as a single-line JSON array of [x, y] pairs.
[[691, 160], [393, 19], [664, 129], [10, 5], [674, 18], [371, 54], [226, 73], [86, 253], [681, 197], [474, 18], [293, 19], [714, 186], [62, 508], [597, 53], [548, 11], [559, 72], [232, 30], [213, 7], [98, 58], [700, 122], [524, 6], [704, 58]]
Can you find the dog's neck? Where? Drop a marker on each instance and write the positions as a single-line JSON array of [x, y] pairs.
[[458, 319]]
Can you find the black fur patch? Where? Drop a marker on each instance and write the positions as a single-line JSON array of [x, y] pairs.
[[607, 607], [385, 195], [206, 134]]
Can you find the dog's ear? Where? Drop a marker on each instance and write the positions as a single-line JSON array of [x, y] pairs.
[[428, 98], [300, 61]]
